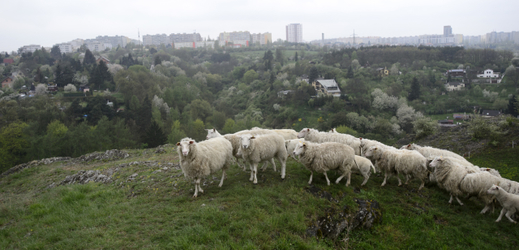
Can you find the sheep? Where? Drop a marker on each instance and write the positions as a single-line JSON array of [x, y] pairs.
[[364, 168], [326, 156], [198, 160], [430, 151], [477, 184], [290, 145], [393, 161], [450, 174], [313, 135], [491, 171], [256, 149], [287, 134], [509, 202], [236, 143], [367, 143]]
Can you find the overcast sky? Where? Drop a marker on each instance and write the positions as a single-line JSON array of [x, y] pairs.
[[25, 22]]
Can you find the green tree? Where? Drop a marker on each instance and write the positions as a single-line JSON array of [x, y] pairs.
[[296, 57], [154, 136], [314, 74], [268, 57], [280, 58], [197, 130], [55, 52], [415, 90], [89, 58], [228, 128], [250, 76], [13, 145], [176, 133], [512, 106]]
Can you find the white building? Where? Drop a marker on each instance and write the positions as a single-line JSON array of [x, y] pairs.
[[29, 48], [294, 32], [327, 87], [65, 48], [488, 73]]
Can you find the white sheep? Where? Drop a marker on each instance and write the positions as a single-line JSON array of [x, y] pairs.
[[367, 143], [449, 174], [314, 135], [430, 151], [260, 148], [393, 161], [509, 202], [290, 145], [492, 171], [477, 184], [198, 160], [326, 156], [364, 168], [287, 134], [236, 143]]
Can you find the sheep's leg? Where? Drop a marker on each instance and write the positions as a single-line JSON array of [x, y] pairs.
[[450, 200], [273, 164], [223, 177], [283, 168], [349, 179], [196, 189], [265, 165], [421, 186], [251, 172], [501, 214], [510, 213], [458, 199], [311, 175], [366, 177], [327, 180], [340, 178], [407, 179], [255, 171], [386, 175], [398, 177], [486, 208]]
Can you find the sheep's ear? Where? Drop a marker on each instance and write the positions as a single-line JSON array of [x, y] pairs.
[[253, 137], [360, 138], [214, 130], [191, 142], [304, 144], [488, 169], [178, 143], [308, 130]]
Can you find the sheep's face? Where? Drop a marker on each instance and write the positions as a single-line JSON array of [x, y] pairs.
[[300, 148], [184, 146], [246, 141], [334, 130], [212, 133], [371, 151], [493, 190], [303, 133], [436, 162]]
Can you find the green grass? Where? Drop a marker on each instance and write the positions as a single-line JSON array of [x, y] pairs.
[[158, 212]]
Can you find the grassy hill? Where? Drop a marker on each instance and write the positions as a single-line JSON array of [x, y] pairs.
[[149, 205]]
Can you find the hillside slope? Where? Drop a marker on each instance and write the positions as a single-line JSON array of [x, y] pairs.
[[147, 203]]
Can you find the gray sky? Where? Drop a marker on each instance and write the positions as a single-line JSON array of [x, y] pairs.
[[25, 22]]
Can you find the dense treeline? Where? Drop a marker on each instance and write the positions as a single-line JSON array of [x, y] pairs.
[[144, 97]]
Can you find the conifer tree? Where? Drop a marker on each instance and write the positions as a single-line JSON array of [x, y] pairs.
[[415, 90]]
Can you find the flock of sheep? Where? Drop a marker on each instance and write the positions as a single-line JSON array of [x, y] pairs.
[[323, 151]]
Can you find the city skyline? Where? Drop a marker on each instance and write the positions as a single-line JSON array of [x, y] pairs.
[[61, 21]]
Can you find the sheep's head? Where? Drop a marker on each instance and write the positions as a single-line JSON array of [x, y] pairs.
[[212, 133], [185, 144], [300, 148], [493, 190], [303, 133], [371, 151], [246, 140], [436, 162]]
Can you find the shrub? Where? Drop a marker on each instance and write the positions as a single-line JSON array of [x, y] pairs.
[[424, 126]]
